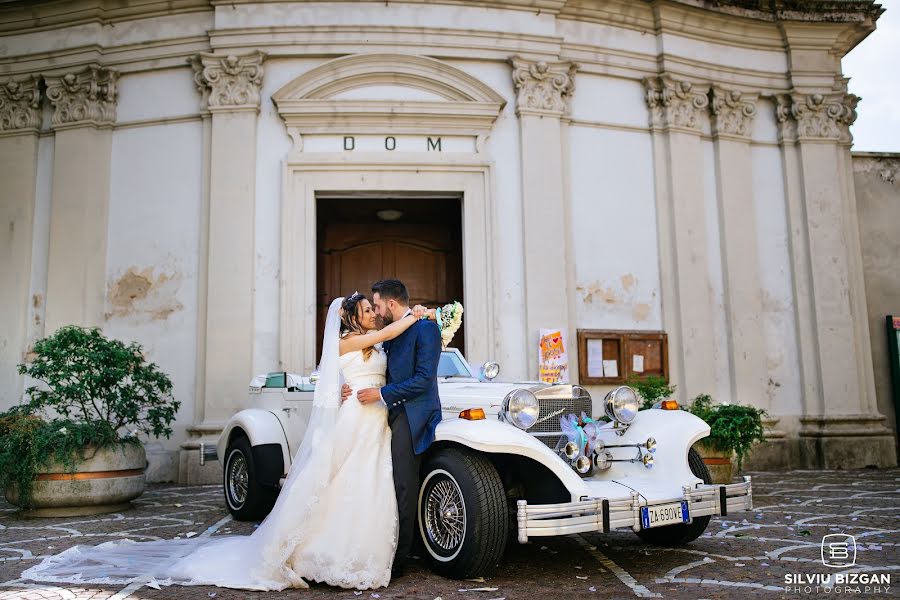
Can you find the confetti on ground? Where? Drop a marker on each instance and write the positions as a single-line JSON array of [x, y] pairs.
[[481, 589]]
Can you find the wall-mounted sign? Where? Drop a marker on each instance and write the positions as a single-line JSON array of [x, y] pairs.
[[554, 361], [435, 144]]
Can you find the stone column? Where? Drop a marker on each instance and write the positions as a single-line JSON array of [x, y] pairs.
[[20, 120], [84, 110], [678, 110], [841, 427], [230, 87], [543, 92], [732, 114]]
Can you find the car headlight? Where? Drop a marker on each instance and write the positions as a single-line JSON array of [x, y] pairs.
[[621, 404], [521, 408], [490, 370]]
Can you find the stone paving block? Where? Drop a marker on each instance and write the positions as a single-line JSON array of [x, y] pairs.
[[739, 554]]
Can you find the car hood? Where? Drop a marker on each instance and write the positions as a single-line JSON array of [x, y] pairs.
[[460, 393]]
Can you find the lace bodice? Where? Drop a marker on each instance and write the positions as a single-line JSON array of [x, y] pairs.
[[359, 373]]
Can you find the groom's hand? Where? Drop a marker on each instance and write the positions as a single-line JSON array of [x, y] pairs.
[[345, 392], [368, 395]]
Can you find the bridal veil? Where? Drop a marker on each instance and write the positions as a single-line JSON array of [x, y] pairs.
[[258, 561]]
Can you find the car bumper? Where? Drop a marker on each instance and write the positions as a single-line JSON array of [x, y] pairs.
[[604, 514]]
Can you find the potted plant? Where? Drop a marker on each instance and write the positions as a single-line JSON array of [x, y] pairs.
[[651, 388], [733, 430], [72, 448]]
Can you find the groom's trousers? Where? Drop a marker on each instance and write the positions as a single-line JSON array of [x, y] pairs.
[[406, 481]]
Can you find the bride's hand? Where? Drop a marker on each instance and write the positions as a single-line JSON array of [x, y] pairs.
[[419, 311], [345, 392]]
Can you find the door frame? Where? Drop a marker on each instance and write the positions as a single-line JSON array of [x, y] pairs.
[[327, 174]]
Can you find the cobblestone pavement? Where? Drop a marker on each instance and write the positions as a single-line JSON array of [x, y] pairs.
[[747, 553]]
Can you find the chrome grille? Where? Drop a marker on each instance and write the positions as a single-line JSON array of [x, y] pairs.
[[556, 402]]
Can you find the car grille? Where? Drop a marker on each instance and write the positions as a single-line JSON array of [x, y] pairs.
[[556, 402]]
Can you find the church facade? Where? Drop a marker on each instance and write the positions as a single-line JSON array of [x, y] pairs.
[[204, 176]]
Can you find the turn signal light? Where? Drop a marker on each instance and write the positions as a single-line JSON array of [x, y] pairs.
[[472, 414], [669, 405]]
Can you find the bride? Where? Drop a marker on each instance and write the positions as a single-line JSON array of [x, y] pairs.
[[335, 520]]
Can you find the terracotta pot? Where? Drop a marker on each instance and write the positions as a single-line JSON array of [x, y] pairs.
[[719, 463], [105, 480]]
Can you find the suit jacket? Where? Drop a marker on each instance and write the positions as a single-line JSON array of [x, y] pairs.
[[412, 362]]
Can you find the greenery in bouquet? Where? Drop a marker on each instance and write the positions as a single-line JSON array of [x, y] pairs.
[[449, 320], [732, 427], [651, 389], [90, 391]]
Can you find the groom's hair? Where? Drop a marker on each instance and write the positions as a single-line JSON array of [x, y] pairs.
[[392, 289]]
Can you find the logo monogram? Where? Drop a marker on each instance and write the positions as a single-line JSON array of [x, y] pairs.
[[838, 550]]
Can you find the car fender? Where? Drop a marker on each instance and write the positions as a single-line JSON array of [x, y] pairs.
[[675, 431], [261, 427], [495, 437]]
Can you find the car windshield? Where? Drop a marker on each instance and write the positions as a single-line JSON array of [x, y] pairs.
[[452, 365]]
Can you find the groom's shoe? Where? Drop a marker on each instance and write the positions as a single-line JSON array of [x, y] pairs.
[[398, 571]]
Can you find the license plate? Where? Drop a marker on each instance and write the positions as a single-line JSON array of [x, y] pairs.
[[664, 514]]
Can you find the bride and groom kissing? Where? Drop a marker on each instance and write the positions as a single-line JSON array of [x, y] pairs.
[[346, 514]]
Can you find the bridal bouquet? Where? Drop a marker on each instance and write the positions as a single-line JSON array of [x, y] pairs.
[[449, 318]]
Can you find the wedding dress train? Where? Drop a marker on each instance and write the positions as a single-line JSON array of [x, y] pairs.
[[335, 520]]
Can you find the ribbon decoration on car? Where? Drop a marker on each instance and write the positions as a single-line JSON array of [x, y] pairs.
[[583, 432]]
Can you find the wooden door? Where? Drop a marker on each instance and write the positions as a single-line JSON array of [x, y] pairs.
[[426, 257]]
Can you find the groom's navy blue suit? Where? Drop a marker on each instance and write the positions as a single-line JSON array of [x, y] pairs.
[[414, 410]]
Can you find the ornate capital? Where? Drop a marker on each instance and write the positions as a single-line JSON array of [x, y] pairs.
[[732, 112], [816, 116], [676, 104], [229, 83], [84, 97], [20, 104], [543, 87]]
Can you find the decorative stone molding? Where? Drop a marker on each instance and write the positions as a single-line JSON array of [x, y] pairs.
[[332, 99], [20, 104], [732, 112], [229, 83], [825, 117], [86, 97], [543, 87], [676, 104]]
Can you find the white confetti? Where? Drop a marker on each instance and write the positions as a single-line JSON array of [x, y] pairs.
[[577, 566], [376, 595], [178, 505], [477, 580], [190, 534], [788, 517], [211, 594], [481, 589], [543, 547], [739, 564], [764, 564], [580, 577], [592, 589], [357, 593]]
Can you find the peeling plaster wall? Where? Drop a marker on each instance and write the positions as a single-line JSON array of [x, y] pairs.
[[877, 182], [612, 210], [153, 256]]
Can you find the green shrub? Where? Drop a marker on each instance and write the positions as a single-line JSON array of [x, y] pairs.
[[732, 427], [651, 388], [90, 388]]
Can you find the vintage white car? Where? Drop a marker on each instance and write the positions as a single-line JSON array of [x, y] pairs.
[[501, 463]]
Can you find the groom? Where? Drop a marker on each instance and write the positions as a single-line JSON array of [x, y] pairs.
[[411, 395]]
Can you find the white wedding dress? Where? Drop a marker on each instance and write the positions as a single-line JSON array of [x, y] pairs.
[[335, 520]]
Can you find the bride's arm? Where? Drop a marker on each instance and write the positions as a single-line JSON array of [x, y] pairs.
[[358, 342]]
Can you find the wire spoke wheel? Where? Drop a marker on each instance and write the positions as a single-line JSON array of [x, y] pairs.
[[445, 514], [238, 479]]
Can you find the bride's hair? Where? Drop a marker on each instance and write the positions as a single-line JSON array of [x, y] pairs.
[[350, 320]]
